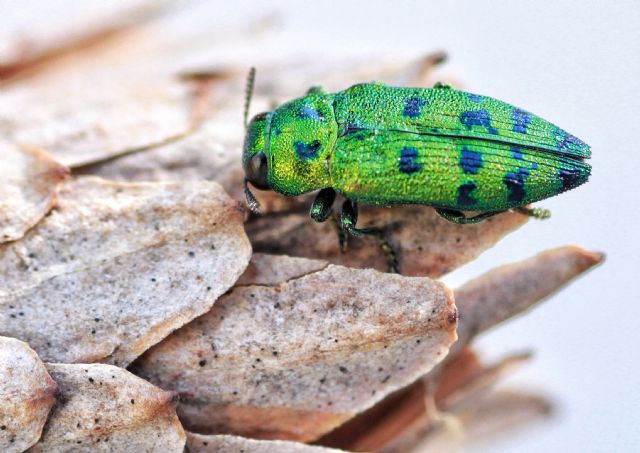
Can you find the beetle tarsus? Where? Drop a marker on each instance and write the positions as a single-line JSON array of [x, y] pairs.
[[442, 85], [342, 236], [348, 220], [459, 218], [536, 213], [316, 89], [390, 254]]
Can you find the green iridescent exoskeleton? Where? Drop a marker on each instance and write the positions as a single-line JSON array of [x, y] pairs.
[[381, 145]]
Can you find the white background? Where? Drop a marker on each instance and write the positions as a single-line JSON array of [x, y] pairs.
[[574, 62]]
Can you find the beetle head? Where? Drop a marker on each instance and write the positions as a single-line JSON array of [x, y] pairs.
[[254, 157]]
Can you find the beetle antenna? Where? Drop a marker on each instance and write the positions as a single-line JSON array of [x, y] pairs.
[[248, 93], [253, 203]]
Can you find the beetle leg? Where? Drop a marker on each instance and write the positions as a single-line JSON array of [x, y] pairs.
[[459, 218], [389, 253], [342, 236], [442, 85], [315, 90], [536, 213], [348, 220], [321, 207]]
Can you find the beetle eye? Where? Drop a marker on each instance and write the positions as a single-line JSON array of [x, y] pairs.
[[257, 170]]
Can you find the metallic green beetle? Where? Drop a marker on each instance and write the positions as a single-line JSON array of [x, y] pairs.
[[381, 145]]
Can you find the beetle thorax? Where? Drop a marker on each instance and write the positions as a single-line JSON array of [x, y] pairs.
[[302, 135]]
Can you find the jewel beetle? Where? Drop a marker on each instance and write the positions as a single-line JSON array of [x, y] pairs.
[[380, 145]]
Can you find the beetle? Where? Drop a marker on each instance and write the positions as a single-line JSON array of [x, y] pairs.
[[380, 145]]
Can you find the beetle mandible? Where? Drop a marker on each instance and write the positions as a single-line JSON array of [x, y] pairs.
[[381, 145]]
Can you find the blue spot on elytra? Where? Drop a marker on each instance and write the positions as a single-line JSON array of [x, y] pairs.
[[517, 153], [413, 106], [565, 140], [470, 161], [480, 118], [464, 194], [306, 151], [308, 112], [408, 162], [475, 98], [521, 120], [570, 178], [515, 184]]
